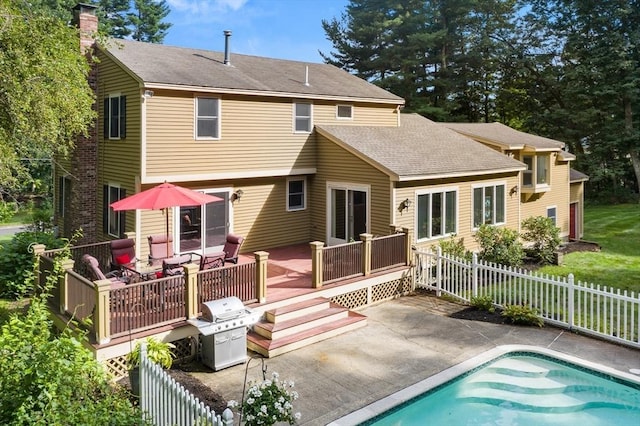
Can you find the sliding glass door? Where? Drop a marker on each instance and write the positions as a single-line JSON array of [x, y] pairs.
[[347, 210], [203, 229]]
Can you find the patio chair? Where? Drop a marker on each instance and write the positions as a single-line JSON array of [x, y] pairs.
[[211, 261], [232, 248], [123, 252], [94, 267], [158, 250], [173, 265]]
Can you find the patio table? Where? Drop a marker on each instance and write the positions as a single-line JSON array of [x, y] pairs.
[[143, 270]]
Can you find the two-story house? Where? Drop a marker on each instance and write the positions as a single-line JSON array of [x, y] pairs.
[[296, 151]]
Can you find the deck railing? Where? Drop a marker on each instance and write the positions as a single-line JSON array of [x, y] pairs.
[[163, 401], [232, 280], [388, 251], [342, 261], [601, 311]]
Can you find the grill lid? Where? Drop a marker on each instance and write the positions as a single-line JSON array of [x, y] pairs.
[[223, 309]]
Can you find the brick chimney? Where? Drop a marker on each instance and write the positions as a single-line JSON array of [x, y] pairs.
[[82, 211]]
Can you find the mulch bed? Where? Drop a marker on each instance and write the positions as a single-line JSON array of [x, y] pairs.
[[474, 314]]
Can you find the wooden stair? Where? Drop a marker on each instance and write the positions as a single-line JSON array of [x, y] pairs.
[[295, 326]]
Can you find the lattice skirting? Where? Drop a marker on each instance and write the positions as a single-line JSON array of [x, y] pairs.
[[185, 349], [377, 293]]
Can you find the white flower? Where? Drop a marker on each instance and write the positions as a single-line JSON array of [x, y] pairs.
[[232, 404], [250, 401], [263, 408], [275, 375], [297, 416]]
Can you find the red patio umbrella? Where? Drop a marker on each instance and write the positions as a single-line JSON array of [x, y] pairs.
[[164, 196]]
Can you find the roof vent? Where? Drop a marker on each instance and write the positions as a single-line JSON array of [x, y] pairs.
[[306, 75], [227, 36]]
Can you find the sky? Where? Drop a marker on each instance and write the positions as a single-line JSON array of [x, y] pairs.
[[284, 29]]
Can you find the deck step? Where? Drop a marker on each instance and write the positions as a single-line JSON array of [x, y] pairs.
[[295, 310], [295, 326], [270, 348]]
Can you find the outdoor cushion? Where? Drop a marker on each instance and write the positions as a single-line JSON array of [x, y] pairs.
[[123, 259]]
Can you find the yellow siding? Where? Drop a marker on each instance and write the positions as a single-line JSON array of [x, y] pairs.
[[363, 114], [407, 218], [337, 165], [118, 160], [558, 196], [577, 196]]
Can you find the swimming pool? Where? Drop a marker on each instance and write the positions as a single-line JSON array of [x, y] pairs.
[[512, 386]]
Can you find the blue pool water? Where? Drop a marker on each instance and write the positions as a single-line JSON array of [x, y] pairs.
[[523, 389]]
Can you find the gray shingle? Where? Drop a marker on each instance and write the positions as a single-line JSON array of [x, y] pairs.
[[420, 148], [160, 64], [504, 135], [577, 176]]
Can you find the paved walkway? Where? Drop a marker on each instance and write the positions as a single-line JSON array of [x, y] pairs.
[[405, 341]]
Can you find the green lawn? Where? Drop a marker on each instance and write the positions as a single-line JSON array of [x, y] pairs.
[[617, 230]]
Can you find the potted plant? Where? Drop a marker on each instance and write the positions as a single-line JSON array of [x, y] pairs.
[[158, 352]]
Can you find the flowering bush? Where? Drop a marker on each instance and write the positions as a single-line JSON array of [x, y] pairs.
[[269, 402]]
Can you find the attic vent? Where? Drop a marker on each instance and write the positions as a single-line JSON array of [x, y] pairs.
[[227, 53]]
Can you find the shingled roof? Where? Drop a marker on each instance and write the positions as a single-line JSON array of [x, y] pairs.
[[505, 136], [419, 149], [157, 65]]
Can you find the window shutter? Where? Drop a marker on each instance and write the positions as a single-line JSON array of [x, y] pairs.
[[105, 209], [105, 118], [123, 215], [123, 117]]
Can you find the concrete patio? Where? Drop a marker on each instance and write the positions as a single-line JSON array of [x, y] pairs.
[[406, 341]]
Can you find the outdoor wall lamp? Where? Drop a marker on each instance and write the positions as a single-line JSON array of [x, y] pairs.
[[513, 190], [405, 204], [147, 94], [237, 195]]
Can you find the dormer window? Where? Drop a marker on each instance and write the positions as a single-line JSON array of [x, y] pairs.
[[302, 117], [537, 177]]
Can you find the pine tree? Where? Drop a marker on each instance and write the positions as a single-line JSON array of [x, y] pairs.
[[146, 20]]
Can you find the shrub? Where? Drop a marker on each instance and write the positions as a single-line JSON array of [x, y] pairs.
[[521, 314], [455, 248], [499, 245], [483, 303], [544, 235], [157, 351], [269, 402], [7, 211], [16, 260]]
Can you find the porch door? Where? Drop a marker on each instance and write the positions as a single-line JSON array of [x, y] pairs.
[[347, 212], [573, 221], [204, 229]]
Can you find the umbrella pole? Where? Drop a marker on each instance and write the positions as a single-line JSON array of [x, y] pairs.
[[166, 212]]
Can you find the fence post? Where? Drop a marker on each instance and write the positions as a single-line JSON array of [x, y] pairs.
[[262, 257], [316, 263], [439, 273], [191, 288], [570, 305], [102, 318], [142, 378], [408, 239], [366, 253], [474, 269], [63, 284]]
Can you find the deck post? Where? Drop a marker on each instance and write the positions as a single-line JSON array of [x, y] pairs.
[[316, 263], [63, 284], [366, 253], [102, 319], [191, 287], [262, 258], [38, 249], [408, 241]]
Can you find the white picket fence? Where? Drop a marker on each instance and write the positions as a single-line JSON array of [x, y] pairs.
[[165, 402], [600, 311]]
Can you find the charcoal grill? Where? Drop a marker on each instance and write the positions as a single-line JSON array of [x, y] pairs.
[[223, 328]]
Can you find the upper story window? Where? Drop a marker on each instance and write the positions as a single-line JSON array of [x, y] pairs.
[[437, 213], [489, 205], [207, 118], [113, 222], [115, 117], [344, 112], [537, 176], [302, 117], [296, 194]]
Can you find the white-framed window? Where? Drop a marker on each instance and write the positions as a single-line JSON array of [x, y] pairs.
[[207, 118], [115, 117], [303, 117], [489, 204], [344, 112], [296, 194], [537, 170], [552, 213], [437, 213], [113, 222]]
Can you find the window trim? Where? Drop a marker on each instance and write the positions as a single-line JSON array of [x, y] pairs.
[[338, 117], [430, 192], [309, 117], [122, 116], [107, 210], [532, 172], [555, 217], [218, 119], [473, 206], [304, 194]]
